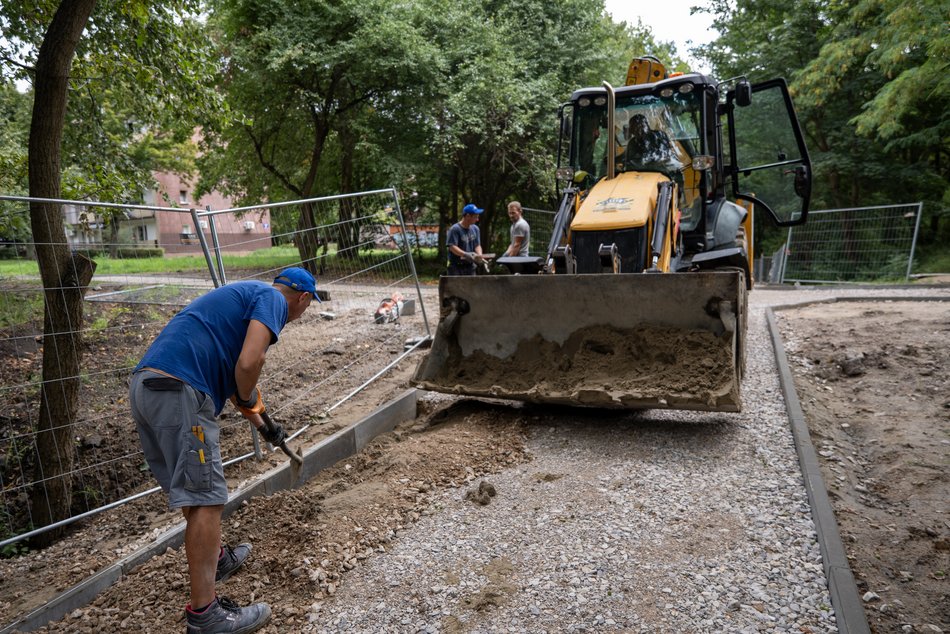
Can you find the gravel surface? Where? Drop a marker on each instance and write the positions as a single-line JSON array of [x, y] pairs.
[[650, 521], [506, 517]]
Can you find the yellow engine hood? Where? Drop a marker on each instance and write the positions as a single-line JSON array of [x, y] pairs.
[[619, 203]]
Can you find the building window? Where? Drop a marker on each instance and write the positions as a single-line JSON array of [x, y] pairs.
[[187, 236], [141, 233], [183, 197]]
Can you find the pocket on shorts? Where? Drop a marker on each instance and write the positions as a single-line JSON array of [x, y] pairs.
[[198, 473]]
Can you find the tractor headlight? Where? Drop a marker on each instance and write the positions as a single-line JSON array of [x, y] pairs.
[[564, 174], [703, 162]]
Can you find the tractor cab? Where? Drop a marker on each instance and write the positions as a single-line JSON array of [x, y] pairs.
[[710, 140]]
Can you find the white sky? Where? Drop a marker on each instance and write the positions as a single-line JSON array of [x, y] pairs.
[[670, 21]]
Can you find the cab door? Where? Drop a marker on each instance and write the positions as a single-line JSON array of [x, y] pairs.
[[769, 161]]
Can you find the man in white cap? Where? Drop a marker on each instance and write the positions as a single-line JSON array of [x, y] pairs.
[[464, 242], [211, 351]]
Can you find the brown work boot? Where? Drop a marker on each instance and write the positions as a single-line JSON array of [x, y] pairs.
[[230, 560], [224, 616]]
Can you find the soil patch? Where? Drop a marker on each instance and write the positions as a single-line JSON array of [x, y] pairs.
[[604, 366], [874, 383], [305, 540], [316, 364]]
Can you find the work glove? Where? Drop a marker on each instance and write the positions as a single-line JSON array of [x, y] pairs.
[[273, 433], [254, 405]]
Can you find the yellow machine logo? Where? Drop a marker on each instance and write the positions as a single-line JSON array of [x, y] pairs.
[[612, 204]]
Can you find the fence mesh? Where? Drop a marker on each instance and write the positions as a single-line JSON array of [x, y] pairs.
[[853, 245], [541, 222], [372, 306]]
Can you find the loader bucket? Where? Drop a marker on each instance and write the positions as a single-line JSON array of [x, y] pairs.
[[629, 341]]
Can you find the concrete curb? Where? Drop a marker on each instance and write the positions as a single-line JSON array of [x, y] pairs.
[[326, 453]]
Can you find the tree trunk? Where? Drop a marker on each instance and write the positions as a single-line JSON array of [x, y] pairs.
[[113, 221], [65, 277], [348, 231], [308, 242]]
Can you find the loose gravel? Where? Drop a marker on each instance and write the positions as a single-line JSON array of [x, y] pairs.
[[639, 522]]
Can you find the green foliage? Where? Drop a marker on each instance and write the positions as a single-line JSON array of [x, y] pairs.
[[20, 308], [446, 100], [934, 258], [298, 74], [16, 549], [14, 131], [870, 83], [141, 81]]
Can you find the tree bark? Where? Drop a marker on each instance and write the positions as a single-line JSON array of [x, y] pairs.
[[348, 231], [65, 276], [308, 243]]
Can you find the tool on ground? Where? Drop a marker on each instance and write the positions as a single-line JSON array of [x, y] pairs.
[[390, 309], [641, 298], [296, 457]]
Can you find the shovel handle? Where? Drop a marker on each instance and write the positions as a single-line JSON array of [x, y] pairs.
[[283, 445]]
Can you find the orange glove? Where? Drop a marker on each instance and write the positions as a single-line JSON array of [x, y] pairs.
[[254, 405]]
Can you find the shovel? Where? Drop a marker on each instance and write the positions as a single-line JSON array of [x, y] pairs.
[[296, 457]]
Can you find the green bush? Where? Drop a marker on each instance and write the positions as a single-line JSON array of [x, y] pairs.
[[140, 252]]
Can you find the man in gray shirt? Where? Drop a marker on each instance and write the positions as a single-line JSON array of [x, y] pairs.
[[520, 231]]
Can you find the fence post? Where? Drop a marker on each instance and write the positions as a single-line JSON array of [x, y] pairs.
[[913, 244], [412, 264], [204, 246]]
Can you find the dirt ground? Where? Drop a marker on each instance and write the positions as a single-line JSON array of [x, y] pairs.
[[595, 366], [338, 355], [305, 540], [874, 382]]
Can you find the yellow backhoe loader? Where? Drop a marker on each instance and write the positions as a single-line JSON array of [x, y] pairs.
[[640, 300]]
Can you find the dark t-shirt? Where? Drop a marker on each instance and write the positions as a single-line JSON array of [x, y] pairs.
[[466, 240]]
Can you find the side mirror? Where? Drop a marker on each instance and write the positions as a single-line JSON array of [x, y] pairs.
[[743, 93], [802, 182]]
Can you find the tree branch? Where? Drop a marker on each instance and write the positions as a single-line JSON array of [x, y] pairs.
[[9, 60], [270, 167]]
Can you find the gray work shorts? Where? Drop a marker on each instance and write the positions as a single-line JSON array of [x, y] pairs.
[[165, 411]]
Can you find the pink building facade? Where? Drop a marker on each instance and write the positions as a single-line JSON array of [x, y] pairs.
[[176, 233]]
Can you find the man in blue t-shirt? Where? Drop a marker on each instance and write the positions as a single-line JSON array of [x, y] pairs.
[[212, 351], [464, 243]]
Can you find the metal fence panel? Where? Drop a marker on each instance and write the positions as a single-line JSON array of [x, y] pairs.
[[853, 245], [324, 358], [541, 222]]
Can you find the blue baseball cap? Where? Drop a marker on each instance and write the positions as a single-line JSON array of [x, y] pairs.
[[471, 209], [298, 279]]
